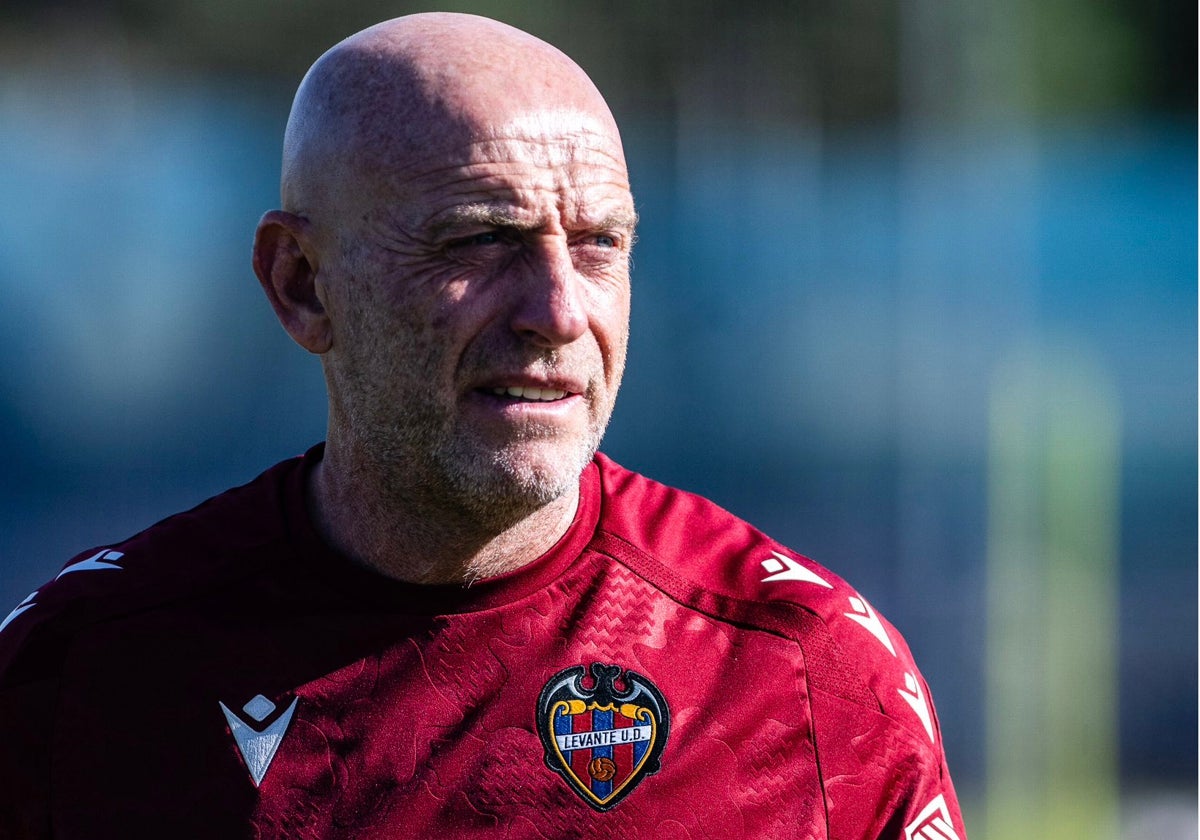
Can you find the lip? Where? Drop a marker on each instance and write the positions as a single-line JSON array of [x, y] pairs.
[[507, 411], [491, 384], [484, 394], [528, 393]]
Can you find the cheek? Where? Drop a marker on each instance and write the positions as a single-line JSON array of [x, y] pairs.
[[383, 337], [427, 302], [610, 325], [612, 299]]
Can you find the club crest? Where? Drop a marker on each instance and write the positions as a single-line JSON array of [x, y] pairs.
[[603, 740]]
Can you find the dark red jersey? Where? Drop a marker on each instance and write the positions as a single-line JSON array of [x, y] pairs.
[[665, 671]]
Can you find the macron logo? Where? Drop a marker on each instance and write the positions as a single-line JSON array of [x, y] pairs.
[[257, 739], [864, 615], [102, 559], [915, 698], [933, 823], [780, 567], [21, 607]]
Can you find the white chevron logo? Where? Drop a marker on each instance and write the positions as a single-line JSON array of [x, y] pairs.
[[785, 568], [866, 616], [102, 559], [258, 746], [933, 823], [916, 698], [20, 608]]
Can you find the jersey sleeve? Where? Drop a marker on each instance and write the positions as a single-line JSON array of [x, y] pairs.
[[34, 639], [28, 697], [879, 781], [878, 740], [25, 732]]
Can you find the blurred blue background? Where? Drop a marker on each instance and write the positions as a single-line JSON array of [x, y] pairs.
[[873, 234]]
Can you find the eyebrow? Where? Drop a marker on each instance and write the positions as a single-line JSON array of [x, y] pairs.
[[480, 214], [492, 216], [627, 219]]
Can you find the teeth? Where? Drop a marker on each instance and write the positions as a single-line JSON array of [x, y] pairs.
[[537, 394]]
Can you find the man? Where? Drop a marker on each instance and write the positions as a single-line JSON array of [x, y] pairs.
[[453, 618]]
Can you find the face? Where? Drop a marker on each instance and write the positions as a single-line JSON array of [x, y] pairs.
[[480, 314]]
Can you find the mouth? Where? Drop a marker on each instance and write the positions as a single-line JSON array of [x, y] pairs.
[[527, 393]]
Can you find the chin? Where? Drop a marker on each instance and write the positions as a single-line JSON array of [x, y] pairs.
[[518, 480]]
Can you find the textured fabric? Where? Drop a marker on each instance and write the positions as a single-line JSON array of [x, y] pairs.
[[665, 671]]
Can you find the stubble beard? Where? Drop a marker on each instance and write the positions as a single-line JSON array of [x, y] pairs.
[[426, 461], [501, 485], [429, 462]]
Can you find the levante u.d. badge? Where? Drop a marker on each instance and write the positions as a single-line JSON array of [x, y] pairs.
[[602, 739]]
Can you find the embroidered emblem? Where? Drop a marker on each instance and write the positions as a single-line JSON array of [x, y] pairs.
[[258, 743], [603, 740]]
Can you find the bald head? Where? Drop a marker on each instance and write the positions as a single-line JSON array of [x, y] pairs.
[[454, 243], [392, 99]]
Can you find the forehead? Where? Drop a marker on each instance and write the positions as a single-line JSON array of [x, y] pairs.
[[559, 160]]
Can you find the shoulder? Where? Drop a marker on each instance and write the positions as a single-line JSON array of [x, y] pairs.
[[874, 727], [177, 558], [716, 562]]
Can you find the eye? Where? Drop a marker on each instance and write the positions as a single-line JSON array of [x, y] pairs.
[[601, 241], [483, 239], [488, 237]]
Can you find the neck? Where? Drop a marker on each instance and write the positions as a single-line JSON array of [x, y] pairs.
[[409, 537]]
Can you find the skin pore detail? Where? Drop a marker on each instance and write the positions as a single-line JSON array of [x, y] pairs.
[[456, 250]]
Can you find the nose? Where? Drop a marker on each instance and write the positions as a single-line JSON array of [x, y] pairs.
[[550, 310]]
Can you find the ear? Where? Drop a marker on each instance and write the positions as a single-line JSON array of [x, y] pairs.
[[286, 264]]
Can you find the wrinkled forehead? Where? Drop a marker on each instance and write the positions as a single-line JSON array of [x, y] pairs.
[[562, 134], [548, 163], [547, 139]]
